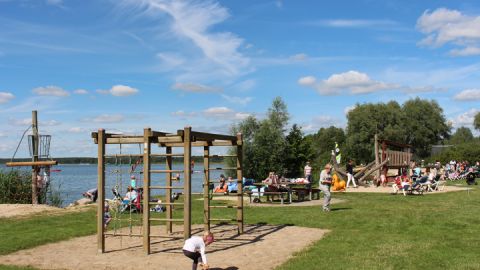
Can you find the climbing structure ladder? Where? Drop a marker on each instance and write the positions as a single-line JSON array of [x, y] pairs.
[[185, 139]]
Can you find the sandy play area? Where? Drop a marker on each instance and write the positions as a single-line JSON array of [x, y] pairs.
[[260, 247], [15, 210], [23, 210]]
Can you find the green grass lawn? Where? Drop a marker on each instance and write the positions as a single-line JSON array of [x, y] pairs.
[[368, 231]]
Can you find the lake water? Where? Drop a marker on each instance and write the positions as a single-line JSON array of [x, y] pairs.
[[74, 179]]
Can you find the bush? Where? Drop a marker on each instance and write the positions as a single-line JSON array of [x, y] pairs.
[[16, 187]]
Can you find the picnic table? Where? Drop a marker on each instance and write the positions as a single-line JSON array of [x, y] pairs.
[[301, 189]]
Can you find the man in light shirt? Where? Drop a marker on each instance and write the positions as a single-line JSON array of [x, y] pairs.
[[194, 248], [307, 171]]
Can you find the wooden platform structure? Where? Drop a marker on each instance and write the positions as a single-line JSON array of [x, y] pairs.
[[398, 155], [185, 139]]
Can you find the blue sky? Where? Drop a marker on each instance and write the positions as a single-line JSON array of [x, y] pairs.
[[124, 65]]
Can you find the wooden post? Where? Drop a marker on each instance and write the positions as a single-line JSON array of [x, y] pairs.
[[377, 158], [240, 183], [206, 188], [101, 191], [147, 132], [34, 157], [168, 195], [384, 157], [187, 203]]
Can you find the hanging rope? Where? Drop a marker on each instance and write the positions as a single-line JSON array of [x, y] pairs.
[[18, 146]]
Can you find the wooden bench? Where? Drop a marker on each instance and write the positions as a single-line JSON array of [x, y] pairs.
[[302, 192], [267, 194]]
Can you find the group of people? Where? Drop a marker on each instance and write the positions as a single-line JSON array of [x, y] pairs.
[[226, 186]]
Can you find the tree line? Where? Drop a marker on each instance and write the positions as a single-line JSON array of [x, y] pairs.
[[270, 144]]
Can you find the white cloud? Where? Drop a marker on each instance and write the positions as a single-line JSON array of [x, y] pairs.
[[193, 21], [76, 130], [467, 51], [195, 88], [49, 123], [123, 90], [299, 57], [237, 100], [170, 60], [20, 122], [107, 118], [183, 114], [224, 113], [468, 95], [6, 97], [80, 92], [352, 81], [465, 119], [119, 91], [307, 81], [51, 91], [246, 85], [319, 122], [444, 26], [349, 23]]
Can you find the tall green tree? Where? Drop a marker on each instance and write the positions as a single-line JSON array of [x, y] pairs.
[[298, 151], [366, 120], [476, 121], [264, 141], [425, 125], [461, 135]]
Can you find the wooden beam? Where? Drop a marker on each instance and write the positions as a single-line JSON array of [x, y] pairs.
[[200, 144], [187, 208], [31, 163], [168, 167], [35, 142], [206, 197], [376, 168], [101, 192], [239, 182], [147, 132], [202, 136]]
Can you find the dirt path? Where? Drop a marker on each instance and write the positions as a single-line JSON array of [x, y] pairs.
[[260, 247]]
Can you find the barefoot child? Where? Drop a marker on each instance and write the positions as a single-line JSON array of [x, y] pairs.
[[194, 248]]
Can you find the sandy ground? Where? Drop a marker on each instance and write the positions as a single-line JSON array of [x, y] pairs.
[[15, 210], [23, 210], [260, 247]]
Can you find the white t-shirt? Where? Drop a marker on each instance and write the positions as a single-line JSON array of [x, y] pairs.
[[196, 244], [307, 170]]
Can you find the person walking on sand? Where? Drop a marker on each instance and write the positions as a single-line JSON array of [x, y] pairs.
[[350, 174], [324, 185], [194, 248]]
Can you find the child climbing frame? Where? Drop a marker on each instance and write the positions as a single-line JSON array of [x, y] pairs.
[[185, 139]]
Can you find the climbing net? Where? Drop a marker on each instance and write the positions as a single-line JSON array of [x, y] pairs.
[[125, 180]]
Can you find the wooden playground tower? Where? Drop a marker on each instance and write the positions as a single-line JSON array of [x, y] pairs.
[[391, 155], [397, 155], [37, 153], [185, 139]]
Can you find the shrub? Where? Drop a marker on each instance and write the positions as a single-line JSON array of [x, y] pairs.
[[16, 187]]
